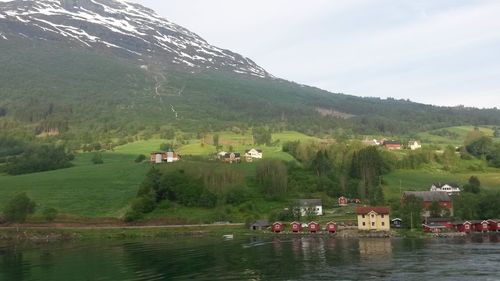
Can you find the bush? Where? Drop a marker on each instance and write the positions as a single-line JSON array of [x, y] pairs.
[[19, 208], [50, 214], [97, 159], [132, 215], [144, 204], [140, 158]]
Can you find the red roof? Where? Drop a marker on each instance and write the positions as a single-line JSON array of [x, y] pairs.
[[366, 210]]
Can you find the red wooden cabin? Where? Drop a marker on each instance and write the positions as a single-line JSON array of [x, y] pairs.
[[494, 225], [480, 226], [313, 227], [331, 227], [463, 226], [295, 227], [277, 227], [342, 201]]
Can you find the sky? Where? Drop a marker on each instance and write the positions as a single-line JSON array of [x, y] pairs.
[[444, 52]]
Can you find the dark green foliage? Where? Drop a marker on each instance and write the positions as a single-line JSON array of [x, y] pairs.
[[435, 210], [496, 132], [477, 206], [272, 175], [38, 158], [473, 186], [480, 147], [215, 139], [367, 166], [19, 208], [410, 211], [97, 158], [50, 214], [140, 158], [262, 136], [143, 204], [321, 164]]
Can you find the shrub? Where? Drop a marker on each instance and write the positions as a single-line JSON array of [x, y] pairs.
[[19, 208], [144, 204], [50, 214], [97, 159], [140, 158]]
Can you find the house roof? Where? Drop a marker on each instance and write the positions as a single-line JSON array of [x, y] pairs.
[[439, 185], [392, 142], [366, 210], [309, 202], [429, 196], [413, 142], [261, 223]]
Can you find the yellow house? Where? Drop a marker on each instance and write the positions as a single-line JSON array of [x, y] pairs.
[[373, 218]]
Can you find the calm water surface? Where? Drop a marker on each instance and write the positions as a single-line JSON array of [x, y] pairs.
[[256, 258]]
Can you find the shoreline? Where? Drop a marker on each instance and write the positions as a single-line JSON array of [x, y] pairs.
[[47, 234]]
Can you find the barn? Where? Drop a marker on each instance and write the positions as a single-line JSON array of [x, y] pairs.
[[313, 227], [295, 227], [342, 201]]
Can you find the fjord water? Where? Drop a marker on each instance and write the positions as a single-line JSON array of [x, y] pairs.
[[256, 258]]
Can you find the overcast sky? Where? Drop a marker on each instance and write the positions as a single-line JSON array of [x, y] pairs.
[[443, 52]]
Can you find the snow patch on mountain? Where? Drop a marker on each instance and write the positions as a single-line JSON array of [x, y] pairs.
[[119, 25]]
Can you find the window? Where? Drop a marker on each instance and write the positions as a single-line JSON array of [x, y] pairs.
[[373, 223], [373, 216], [364, 223], [383, 223], [363, 216], [382, 215]]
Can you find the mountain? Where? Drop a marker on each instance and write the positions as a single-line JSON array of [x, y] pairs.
[[127, 29], [114, 68]]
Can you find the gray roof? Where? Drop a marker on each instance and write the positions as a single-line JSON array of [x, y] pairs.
[[429, 196], [261, 223], [309, 202]]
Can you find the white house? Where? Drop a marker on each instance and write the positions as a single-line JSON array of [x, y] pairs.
[[448, 188], [310, 206], [253, 153], [414, 145]]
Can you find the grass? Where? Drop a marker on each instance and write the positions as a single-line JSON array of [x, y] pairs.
[[421, 180], [461, 131], [88, 190]]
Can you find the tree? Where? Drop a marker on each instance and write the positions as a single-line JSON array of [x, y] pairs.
[[480, 147], [411, 210], [321, 163], [262, 136], [473, 186], [216, 140], [272, 175], [435, 210], [19, 208]]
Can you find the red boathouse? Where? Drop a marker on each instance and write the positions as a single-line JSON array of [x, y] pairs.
[[295, 227], [313, 227], [331, 227], [480, 226], [494, 225], [463, 226], [277, 227]]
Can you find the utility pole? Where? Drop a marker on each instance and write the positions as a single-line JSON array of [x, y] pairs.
[[411, 221]]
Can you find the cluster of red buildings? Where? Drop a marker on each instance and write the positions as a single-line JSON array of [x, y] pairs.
[[296, 227], [446, 225]]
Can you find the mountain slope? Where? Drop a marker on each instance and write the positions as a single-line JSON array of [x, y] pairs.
[[71, 67], [127, 29]]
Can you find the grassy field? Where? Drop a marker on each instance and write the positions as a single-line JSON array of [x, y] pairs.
[[461, 131], [421, 180], [106, 190]]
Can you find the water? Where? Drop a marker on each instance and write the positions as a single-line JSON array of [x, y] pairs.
[[256, 258]]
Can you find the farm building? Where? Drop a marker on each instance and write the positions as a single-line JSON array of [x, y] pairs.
[[428, 197], [260, 225], [392, 144], [231, 157], [159, 157], [310, 206], [414, 145], [342, 201], [253, 153], [373, 218], [450, 188]]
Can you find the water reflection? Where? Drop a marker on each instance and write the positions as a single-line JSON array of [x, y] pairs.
[[289, 257]]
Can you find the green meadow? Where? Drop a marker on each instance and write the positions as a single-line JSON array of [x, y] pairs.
[[88, 190]]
